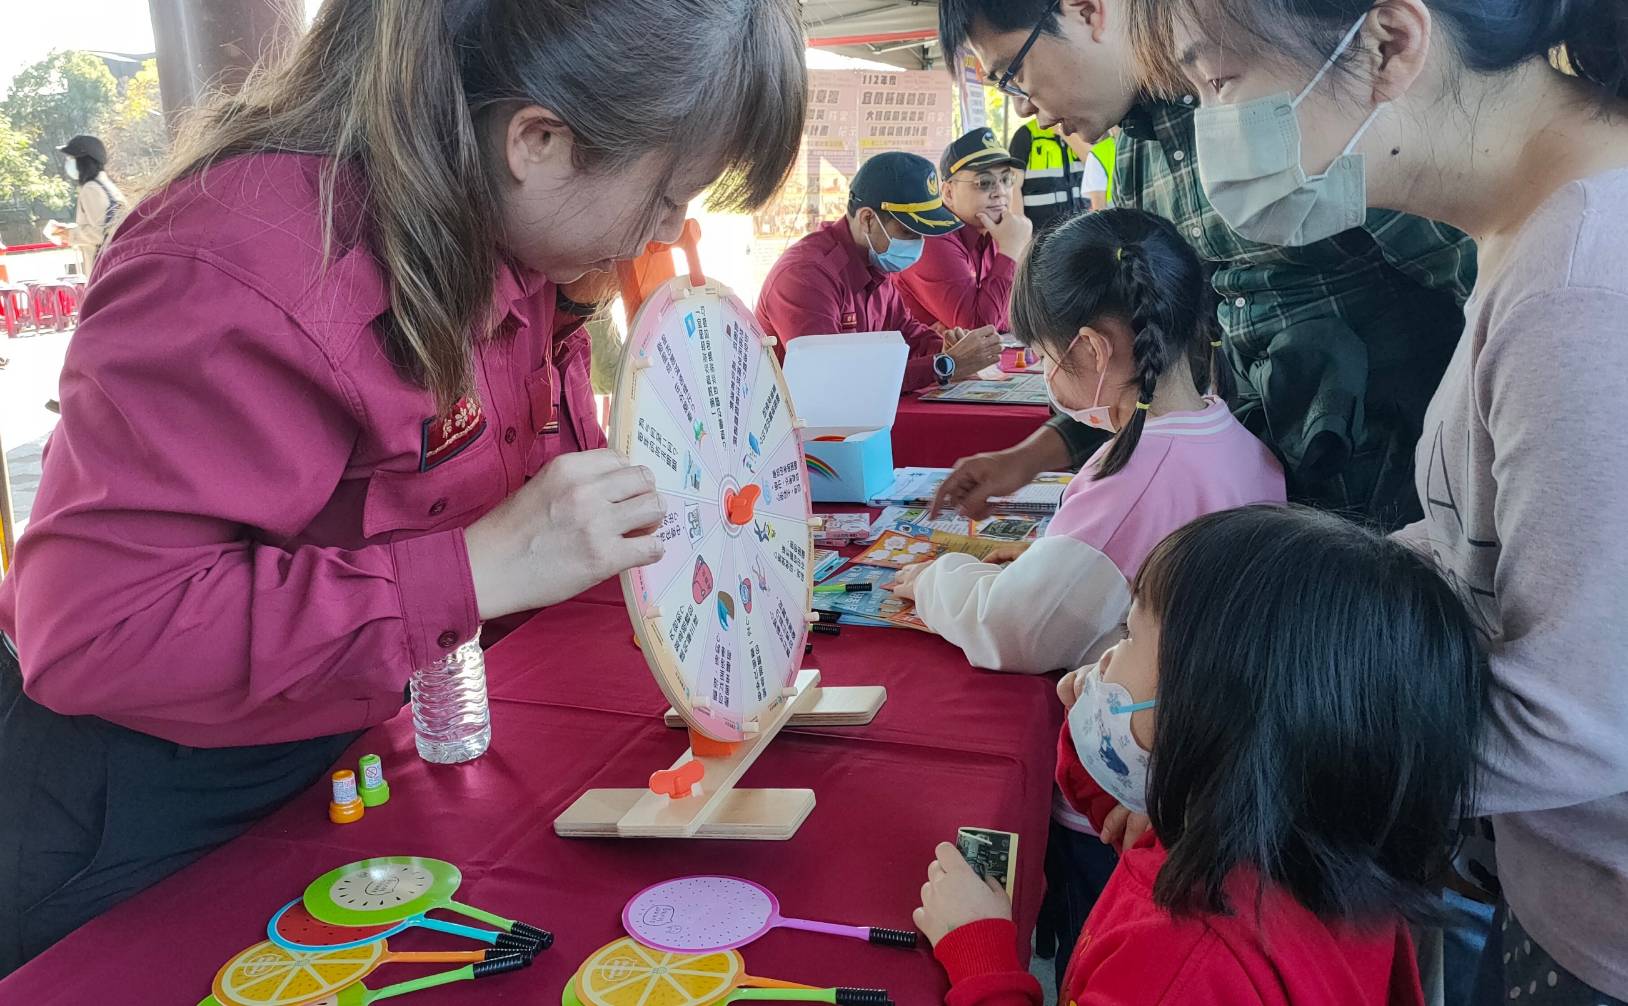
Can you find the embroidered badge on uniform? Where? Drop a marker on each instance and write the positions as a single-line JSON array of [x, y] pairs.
[[850, 321], [444, 437]]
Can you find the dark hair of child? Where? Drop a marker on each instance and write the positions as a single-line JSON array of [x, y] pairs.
[[1136, 268], [1320, 702]]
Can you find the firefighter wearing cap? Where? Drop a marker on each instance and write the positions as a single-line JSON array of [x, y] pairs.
[[965, 280], [100, 204], [837, 279]]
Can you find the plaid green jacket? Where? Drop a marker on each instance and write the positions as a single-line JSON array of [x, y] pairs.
[[1335, 348]]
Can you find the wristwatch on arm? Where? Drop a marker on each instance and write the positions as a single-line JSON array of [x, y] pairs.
[[943, 368]]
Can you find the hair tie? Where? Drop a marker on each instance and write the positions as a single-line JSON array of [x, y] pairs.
[[1216, 344], [1144, 406]]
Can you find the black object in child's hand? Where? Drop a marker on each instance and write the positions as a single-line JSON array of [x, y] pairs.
[[991, 854]]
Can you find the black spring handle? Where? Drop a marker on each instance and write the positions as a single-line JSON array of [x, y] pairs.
[[528, 945], [863, 997], [501, 964], [544, 938], [903, 939]]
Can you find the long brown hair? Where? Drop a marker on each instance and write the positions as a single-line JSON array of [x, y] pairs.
[[398, 89]]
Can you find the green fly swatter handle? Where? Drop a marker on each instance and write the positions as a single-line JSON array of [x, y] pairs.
[[495, 966], [543, 937]]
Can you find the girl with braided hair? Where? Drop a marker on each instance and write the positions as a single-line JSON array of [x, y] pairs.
[[1116, 303]]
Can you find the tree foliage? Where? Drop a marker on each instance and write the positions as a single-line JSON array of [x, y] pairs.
[[133, 129], [61, 96]]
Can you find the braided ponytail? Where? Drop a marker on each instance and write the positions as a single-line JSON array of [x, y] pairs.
[[1152, 318], [1123, 264], [1214, 360]]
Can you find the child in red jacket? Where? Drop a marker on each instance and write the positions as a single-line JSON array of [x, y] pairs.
[[1295, 706]]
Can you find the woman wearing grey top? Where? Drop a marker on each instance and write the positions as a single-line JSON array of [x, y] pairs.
[[1455, 109]]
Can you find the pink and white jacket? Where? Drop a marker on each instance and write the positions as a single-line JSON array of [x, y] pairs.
[[1062, 602]]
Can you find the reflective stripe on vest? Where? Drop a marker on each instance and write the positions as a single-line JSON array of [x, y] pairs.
[[1044, 183]]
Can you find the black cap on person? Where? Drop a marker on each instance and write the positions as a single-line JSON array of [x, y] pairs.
[[85, 146], [976, 150], [906, 186]]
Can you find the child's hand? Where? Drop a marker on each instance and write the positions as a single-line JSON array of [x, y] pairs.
[[904, 581], [1069, 687], [1004, 554], [1121, 829], [954, 896]]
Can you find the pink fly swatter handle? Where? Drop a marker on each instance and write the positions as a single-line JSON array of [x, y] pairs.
[[870, 934]]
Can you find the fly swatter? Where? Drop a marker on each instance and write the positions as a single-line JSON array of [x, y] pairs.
[[624, 973], [568, 996], [393, 889], [295, 928], [358, 994], [269, 975], [721, 913]]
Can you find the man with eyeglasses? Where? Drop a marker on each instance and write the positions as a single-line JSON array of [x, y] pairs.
[[840, 278], [964, 279], [1335, 347]]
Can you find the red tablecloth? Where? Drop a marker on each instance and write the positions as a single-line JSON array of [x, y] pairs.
[[574, 706], [938, 434]]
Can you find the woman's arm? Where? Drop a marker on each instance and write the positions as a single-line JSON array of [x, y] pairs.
[[151, 582], [1545, 383]]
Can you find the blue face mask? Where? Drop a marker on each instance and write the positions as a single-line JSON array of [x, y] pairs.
[[901, 254]]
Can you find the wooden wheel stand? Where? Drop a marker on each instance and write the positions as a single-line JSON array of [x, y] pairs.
[[696, 797]]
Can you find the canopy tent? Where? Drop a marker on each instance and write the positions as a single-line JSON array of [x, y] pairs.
[[902, 33]]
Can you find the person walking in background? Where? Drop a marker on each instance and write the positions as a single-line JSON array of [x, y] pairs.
[[100, 205]]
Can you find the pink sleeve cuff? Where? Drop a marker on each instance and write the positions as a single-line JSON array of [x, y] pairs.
[[985, 947], [437, 594]]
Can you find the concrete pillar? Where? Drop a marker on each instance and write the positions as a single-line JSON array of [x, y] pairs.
[[204, 44]]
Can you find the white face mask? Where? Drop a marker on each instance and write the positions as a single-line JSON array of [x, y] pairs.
[[1100, 726], [1249, 164], [72, 167], [1098, 416]]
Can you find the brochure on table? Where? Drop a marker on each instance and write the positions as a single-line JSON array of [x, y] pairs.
[[845, 389]]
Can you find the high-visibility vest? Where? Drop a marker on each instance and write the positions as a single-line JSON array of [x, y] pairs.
[[1054, 174]]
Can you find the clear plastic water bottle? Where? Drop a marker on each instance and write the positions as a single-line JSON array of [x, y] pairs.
[[450, 716]]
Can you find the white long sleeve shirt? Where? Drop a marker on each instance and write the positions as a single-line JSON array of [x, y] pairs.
[[1062, 602]]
